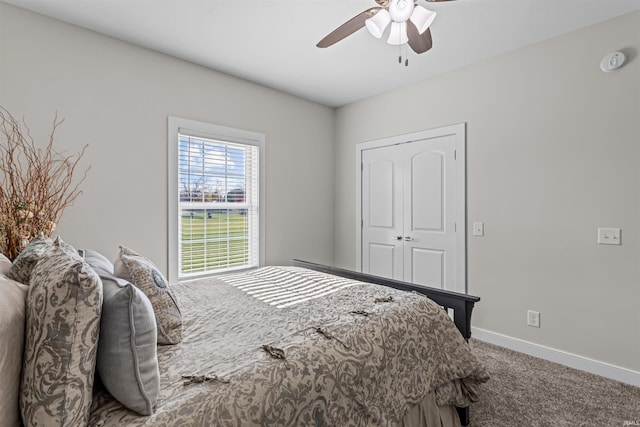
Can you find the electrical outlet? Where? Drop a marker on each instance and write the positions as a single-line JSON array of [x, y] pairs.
[[609, 236], [533, 318]]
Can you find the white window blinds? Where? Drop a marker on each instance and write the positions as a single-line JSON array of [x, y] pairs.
[[218, 205]]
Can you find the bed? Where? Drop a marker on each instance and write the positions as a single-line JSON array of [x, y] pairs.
[[299, 345], [340, 353], [458, 306]]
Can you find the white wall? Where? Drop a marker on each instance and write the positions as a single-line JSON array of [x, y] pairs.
[[116, 97], [553, 146]]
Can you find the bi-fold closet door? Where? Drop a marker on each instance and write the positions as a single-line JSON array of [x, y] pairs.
[[410, 213]]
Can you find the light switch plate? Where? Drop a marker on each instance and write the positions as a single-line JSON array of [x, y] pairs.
[[478, 228], [609, 236]]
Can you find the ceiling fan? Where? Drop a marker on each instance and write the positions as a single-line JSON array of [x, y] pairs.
[[409, 24]]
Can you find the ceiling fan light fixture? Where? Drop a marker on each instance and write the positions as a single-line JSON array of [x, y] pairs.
[[378, 23], [422, 18], [409, 24], [400, 10], [398, 34]]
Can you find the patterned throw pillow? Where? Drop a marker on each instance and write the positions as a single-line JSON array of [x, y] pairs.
[[39, 247], [61, 339], [13, 296], [145, 275], [25, 262], [127, 352]]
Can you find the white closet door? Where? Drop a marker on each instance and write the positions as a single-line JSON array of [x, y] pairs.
[[429, 213], [412, 210], [382, 212]]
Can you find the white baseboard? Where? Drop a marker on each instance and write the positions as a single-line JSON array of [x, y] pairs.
[[558, 356]]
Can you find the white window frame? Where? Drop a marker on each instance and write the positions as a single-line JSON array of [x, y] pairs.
[[177, 125]]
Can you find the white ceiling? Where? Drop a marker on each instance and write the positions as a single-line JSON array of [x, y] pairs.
[[272, 42]]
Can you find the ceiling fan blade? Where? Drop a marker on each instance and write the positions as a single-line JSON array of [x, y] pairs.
[[348, 28], [420, 43], [383, 3]]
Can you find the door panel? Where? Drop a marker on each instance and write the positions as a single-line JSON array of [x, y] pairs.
[[427, 192], [382, 259], [429, 219], [381, 193], [427, 267], [382, 213]]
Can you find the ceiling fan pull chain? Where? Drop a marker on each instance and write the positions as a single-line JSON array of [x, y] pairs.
[[406, 55]]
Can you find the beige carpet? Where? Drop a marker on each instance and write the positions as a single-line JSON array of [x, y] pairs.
[[529, 392]]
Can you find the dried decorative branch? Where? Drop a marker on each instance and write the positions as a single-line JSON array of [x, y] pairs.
[[37, 184]]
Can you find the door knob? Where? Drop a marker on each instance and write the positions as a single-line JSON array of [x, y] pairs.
[[408, 238], [397, 238]]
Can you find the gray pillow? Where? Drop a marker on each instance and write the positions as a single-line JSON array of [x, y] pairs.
[[127, 354], [145, 276], [61, 339], [96, 260]]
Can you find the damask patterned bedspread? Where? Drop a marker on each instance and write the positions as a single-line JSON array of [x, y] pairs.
[[285, 346]]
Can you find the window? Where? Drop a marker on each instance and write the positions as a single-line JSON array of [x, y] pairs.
[[215, 199]]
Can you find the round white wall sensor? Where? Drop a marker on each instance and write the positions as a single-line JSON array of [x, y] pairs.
[[612, 61]]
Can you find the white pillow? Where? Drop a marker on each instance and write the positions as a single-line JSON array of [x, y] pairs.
[[5, 264], [13, 296]]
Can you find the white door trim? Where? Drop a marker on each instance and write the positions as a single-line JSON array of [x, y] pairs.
[[459, 132]]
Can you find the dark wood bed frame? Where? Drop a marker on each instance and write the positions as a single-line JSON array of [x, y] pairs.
[[461, 304]]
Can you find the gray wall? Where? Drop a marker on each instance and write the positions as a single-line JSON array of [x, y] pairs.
[[116, 97], [552, 154]]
